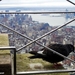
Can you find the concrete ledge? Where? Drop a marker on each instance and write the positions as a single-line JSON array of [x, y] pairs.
[[5, 58]]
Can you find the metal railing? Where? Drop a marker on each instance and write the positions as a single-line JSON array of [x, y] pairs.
[[45, 72], [13, 58], [32, 41], [38, 12], [71, 2]]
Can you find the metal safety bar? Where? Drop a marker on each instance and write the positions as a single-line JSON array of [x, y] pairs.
[[71, 2], [45, 72], [13, 63], [37, 12]]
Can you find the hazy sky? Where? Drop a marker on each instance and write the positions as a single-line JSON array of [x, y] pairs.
[[34, 3]]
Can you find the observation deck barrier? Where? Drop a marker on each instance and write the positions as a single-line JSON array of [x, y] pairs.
[[32, 41]]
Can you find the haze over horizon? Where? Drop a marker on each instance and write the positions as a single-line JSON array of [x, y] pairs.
[[35, 3]]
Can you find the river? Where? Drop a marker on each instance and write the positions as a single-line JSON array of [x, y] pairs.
[[52, 20]]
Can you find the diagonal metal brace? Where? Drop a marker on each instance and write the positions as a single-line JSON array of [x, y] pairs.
[[32, 41], [71, 2]]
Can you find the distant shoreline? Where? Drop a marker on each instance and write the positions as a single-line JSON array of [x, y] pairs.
[[38, 8]]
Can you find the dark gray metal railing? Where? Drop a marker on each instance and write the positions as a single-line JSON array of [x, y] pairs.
[[32, 41], [38, 12], [71, 2]]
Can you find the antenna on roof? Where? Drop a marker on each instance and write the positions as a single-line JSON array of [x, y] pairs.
[[71, 2]]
